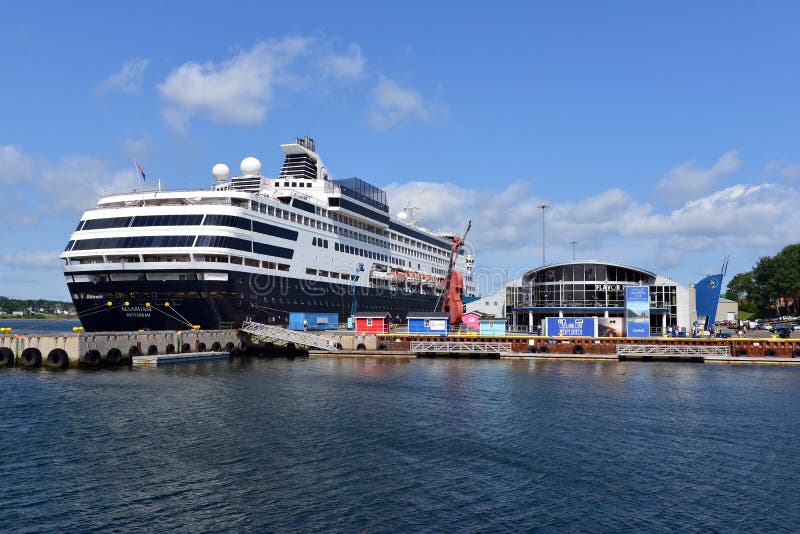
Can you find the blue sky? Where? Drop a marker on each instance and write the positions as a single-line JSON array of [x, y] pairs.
[[663, 135]]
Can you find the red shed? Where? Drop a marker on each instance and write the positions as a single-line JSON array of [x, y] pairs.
[[373, 322]]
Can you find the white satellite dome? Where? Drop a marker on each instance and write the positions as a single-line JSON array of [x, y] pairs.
[[220, 172], [250, 167], [402, 216]]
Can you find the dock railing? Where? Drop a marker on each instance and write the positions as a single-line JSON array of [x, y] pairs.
[[680, 351], [460, 347]]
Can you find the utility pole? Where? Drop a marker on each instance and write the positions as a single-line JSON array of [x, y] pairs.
[[573, 249], [543, 207]]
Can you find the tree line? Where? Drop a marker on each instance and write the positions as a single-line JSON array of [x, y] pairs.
[[8, 305], [772, 288]]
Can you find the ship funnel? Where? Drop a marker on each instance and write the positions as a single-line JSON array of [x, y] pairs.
[[306, 142]]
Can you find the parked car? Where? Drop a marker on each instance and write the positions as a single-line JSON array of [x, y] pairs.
[[782, 330]]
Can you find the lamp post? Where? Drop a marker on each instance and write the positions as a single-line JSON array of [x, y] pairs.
[[573, 249], [543, 207]]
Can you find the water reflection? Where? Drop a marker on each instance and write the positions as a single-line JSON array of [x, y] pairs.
[[430, 444]]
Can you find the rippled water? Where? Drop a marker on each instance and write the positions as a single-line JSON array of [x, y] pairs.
[[418, 445], [40, 326]]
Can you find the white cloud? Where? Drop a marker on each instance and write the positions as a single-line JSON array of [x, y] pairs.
[[136, 147], [437, 201], [76, 182], [614, 226], [129, 79], [36, 188], [26, 260], [15, 167], [350, 65], [393, 105], [238, 90], [690, 181], [791, 171]]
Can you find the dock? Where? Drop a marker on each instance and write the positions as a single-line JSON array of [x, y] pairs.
[[113, 349], [148, 348], [161, 359]]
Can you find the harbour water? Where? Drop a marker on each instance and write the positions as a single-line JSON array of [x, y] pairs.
[[414, 445], [40, 326]]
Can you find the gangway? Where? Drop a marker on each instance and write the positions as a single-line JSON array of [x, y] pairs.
[[264, 332], [460, 347]]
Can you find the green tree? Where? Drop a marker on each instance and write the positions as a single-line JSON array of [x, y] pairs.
[[772, 287], [742, 289]]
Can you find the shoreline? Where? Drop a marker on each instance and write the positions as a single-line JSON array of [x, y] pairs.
[[29, 318], [513, 356]]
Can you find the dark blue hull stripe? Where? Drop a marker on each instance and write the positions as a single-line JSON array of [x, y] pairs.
[[179, 304]]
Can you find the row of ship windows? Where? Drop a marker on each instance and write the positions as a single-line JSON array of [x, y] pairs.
[[320, 225], [442, 251], [191, 220], [356, 251], [347, 249], [417, 254], [211, 258], [230, 221], [329, 274], [169, 241], [216, 241], [244, 223]]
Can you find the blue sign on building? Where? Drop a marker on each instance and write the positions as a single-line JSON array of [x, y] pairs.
[[637, 311], [571, 326]]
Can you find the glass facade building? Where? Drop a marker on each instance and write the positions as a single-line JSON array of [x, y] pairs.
[[589, 289]]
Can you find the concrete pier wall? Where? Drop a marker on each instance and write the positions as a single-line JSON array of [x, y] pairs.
[[350, 341], [111, 348]]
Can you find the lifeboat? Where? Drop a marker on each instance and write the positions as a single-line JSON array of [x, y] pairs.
[[427, 281], [414, 279], [397, 277], [380, 275]]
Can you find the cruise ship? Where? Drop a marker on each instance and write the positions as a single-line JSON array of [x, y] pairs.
[[255, 248]]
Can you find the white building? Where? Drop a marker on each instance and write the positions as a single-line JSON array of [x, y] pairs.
[[589, 289]]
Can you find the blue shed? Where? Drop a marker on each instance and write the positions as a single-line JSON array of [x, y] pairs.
[[492, 327], [313, 321], [435, 323]]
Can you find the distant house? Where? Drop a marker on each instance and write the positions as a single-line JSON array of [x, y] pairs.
[[435, 323], [18, 313], [373, 322]]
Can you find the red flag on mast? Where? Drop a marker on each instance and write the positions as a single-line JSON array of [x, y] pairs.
[[141, 171]]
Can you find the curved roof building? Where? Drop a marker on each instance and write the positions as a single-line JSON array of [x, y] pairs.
[[592, 289]]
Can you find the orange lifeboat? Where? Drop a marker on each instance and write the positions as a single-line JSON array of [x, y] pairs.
[[397, 277]]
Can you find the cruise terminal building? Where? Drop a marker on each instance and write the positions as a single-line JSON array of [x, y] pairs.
[[596, 290]]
